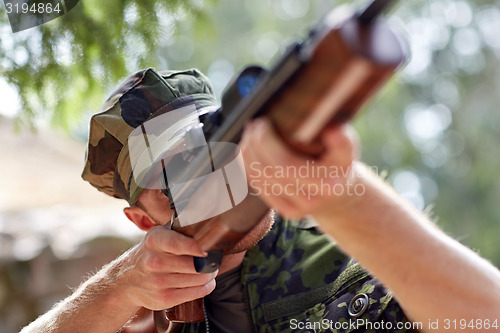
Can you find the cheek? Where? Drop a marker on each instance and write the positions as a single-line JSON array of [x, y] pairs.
[[158, 208], [162, 215]]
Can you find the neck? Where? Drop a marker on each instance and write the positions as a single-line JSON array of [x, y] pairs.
[[230, 261]]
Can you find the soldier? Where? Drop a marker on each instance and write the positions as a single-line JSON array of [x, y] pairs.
[[285, 275]]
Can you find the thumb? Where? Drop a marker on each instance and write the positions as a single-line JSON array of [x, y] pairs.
[[342, 145]]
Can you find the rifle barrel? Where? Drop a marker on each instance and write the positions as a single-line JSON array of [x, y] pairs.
[[374, 9]]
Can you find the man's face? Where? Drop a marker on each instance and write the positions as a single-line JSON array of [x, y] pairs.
[[157, 206]]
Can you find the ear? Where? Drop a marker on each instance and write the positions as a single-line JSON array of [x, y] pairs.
[[140, 218]]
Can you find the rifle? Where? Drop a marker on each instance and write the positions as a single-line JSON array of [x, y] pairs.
[[323, 80]]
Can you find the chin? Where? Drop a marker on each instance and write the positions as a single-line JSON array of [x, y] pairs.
[[255, 235]]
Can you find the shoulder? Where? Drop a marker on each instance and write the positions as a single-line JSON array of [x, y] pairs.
[[297, 276]]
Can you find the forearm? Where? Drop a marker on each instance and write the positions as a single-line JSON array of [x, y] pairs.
[[156, 274], [432, 275], [99, 305]]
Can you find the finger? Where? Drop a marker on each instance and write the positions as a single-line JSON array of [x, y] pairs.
[[285, 205], [161, 262], [181, 295], [341, 144], [176, 280], [169, 241], [253, 166], [268, 146]]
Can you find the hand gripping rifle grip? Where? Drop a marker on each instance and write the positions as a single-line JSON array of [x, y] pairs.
[[193, 311]]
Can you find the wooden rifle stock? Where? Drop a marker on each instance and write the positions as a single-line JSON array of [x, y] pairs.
[[324, 80]]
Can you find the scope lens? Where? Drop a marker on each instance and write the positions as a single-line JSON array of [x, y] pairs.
[[246, 83]]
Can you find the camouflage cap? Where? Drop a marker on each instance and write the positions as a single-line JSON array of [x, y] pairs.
[[143, 96]]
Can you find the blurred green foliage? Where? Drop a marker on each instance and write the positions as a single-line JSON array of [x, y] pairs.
[[434, 128], [64, 68]]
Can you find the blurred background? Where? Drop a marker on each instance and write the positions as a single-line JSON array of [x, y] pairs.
[[434, 128]]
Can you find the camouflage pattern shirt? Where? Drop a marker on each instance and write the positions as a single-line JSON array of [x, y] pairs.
[[297, 280]]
